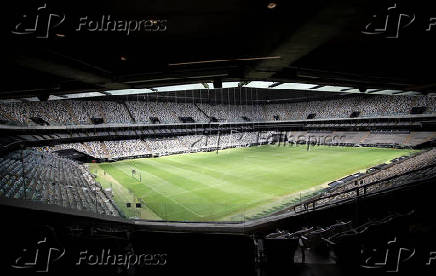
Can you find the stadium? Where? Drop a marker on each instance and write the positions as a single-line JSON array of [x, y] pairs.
[[296, 144]]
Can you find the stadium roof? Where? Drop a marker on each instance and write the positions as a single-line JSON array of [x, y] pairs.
[[109, 46], [256, 91]]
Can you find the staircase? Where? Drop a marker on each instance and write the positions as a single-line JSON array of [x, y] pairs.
[[70, 112], [184, 143], [409, 137], [88, 149], [50, 117], [102, 114], [201, 110], [364, 137], [146, 145], [128, 111], [7, 116], [414, 100], [105, 150]]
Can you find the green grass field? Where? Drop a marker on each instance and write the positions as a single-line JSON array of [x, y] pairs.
[[235, 184]]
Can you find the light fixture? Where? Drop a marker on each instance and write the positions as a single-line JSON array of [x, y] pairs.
[[271, 5]]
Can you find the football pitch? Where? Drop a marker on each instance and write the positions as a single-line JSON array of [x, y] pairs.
[[233, 185]]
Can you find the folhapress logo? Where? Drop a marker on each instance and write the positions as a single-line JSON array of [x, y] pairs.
[[395, 20], [391, 256], [388, 258], [390, 23], [43, 22], [38, 23], [38, 258]]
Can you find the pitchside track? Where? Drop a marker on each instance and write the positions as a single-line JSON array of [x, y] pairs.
[[235, 184]]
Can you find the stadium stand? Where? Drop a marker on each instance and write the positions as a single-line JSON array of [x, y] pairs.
[[367, 138], [162, 146], [402, 172], [170, 136], [67, 112], [328, 244], [54, 180]]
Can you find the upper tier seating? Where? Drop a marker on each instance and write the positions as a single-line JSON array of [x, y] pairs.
[[73, 112]]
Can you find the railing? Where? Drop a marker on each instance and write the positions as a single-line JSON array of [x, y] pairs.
[[353, 193]]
